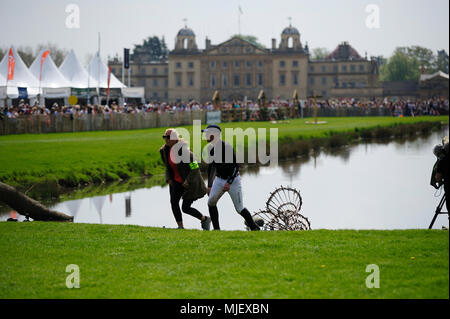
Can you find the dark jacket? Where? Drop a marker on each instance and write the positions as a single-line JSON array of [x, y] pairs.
[[222, 168], [189, 171]]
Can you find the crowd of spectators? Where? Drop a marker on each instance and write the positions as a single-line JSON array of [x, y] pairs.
[[397, 107]]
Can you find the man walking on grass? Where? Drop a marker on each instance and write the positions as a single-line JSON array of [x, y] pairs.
[[183, 177], [223, 176]]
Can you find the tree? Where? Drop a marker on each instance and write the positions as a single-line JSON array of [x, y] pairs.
[[27, 55], [27, 206], [400, 67], [152, 49], [441, 62], [425, 57], [56, 53], [249, 38], [319, 53]]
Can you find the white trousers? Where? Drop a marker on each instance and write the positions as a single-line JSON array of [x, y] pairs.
[[235, 192]]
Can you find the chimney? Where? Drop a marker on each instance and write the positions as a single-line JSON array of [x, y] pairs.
[[207, 43], [274, 44]]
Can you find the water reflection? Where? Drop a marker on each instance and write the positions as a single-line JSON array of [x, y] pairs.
[[382, 185]]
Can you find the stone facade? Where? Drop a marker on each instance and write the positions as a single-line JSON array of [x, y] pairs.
[[238, 69]]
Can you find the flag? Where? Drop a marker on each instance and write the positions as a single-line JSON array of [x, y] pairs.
[[240, 10], [43, 57], [11, 65]]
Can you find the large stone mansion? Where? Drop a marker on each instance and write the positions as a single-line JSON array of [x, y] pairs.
[[238, 69]]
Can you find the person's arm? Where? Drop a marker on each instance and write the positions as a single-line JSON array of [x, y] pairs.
[[168, 172], [211, 169]]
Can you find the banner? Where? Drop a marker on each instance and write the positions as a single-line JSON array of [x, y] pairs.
[[43, 57], [23, 93], [134, 92], [11, 65], [56, 92], [113, 92], [126, 58], [83, 93], [213, 117]]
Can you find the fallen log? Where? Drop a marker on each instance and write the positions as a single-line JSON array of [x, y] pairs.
[[29, 207]]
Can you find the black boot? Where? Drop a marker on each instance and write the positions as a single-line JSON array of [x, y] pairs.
[[249, 219], [214, 214]]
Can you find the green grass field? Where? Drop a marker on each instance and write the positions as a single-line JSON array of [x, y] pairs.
[[90, 157], [142, 262]]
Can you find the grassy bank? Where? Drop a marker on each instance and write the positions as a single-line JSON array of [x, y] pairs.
[[47, 162], [142, 262]]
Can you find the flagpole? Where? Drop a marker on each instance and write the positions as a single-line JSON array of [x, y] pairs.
[[89, 75], [239, 21], [98, 72]]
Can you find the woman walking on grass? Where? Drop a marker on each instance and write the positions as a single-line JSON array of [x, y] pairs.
[[184, 178]]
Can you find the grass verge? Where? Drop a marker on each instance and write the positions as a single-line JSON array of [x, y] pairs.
[[117, 261]]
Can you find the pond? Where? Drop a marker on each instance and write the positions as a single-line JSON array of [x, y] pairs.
[[364, 186]]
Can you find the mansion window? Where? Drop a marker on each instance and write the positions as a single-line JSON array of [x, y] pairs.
[[324, 69], [236, 80], [178, 65], [155, 71], [260, 79], [178, 79], [155, 82], [191, 79], [224, 64], [352, 68], [344, 68], [213, 80], [236, 64], [248, 79], [248, 64], [191, 65], [295, 63], [335, 69], [361, 67], [224, 80], [282, 64], [324, 80], [282, 79], [212, 64], [260, 64], [311, 69], [295, 78]]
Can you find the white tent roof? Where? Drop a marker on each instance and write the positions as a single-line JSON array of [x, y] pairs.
[[424, 77], [74, 72], [51, 76], [99, 71], [22, 76]]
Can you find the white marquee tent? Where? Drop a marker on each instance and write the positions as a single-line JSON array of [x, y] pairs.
[[74, 72], [53, 83], [99, 72], [22, 77]]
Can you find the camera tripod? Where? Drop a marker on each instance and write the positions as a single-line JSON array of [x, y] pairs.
[[438, 211]]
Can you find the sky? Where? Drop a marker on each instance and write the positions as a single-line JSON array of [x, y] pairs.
[[385, 25]]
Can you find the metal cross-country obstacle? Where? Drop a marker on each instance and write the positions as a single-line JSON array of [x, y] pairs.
[[282, 211]]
